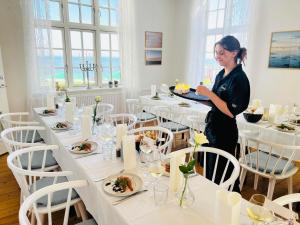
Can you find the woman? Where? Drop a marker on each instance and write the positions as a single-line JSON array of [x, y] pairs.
[[230, 96]]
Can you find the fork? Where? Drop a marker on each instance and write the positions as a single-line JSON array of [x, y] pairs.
[[103, 178]]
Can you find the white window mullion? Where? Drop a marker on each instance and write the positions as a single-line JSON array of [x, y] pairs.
[[97, 46]]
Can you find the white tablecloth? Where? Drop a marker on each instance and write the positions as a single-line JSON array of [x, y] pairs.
[[265, 129], [140, 209]]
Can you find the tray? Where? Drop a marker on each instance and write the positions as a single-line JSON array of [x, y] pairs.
[[191, 95]]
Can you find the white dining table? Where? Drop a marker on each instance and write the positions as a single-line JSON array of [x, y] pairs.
[[138, 210], [266, 130]]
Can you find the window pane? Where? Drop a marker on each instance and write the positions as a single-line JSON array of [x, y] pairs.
[[104, 17], [44, 58], [116, 73], [213, 4], [89, 56], [115, 59], [77, 58], [238, 17], [220, 18], [103, 3], [54, 11], [58, 58], [114, 4], [40, 9], [221, 4], [104, 38], [59, 76], [76, 39], [56, 39], [87, 2], [92, 78], [105, 59], [212, 20], [77, 77], [210, 42], [114, 42], [73, 13], [105, 74], [75, 1], [113, 18], [86, 14], [88, 40], [41, 38]]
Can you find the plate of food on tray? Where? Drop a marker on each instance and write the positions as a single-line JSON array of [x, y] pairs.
[[122, 184], [84, 147], [286, 128], [48, 112]]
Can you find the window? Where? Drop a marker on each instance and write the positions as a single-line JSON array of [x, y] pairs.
[[73, 32], [223, 17]]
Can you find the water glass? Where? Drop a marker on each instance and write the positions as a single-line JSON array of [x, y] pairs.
[[258, 199], [160, 193]]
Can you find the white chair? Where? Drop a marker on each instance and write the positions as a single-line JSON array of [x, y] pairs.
[[195, 123], [16, 119], [164, 137], [141, 111], [31, 204], [124, 118], [103, 110], [231, 161], [31, 180], [23, 137], [269, 160]]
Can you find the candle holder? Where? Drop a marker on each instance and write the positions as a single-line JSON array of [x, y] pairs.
[[86, 68]]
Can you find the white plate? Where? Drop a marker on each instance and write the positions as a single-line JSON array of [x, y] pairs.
[[94, 147], [137, 184], [69, 125], [47, 114]]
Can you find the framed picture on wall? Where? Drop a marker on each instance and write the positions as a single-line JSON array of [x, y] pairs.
[[285, 50], [153, 57], [153, 39]]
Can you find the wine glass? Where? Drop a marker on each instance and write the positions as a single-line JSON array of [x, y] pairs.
[[259, 214], [155, 167], [258, 199]]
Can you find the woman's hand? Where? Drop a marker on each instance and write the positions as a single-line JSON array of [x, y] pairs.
[[202, 90]]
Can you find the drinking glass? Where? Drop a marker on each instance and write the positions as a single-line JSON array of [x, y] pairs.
[[258, 199], [160, 193], [259, 214]]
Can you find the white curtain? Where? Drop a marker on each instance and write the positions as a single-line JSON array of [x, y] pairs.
[[129, 69], [37, 63]]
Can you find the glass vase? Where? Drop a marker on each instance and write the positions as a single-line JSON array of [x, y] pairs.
[[185, 196]]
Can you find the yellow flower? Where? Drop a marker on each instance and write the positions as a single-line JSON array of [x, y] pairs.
[[200, 138], [98, 99]]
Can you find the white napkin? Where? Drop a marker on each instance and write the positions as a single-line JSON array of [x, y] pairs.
[[69, 113], [88, 110], [228, 208], [50, 101], [121, 130], [129, 154], [153, 90], [86, 126], [177, 158]]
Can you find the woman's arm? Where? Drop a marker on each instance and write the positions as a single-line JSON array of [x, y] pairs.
[[218, 102]]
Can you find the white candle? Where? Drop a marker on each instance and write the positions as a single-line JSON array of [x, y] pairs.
[[121, 131], [86, 127], [88, 110], [153, 90], [69, 113], [177, 158], [50, 101], [129, 152]]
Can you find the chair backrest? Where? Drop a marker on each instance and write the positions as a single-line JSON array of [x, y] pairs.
[[25, 175], [124, 118], [16, 119], [164, 137], [196, 122], [20, 137], [265, 156], [47, 192], [133, 106], [226, 183]]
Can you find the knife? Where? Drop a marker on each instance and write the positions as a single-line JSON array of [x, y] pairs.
[[128, 197]]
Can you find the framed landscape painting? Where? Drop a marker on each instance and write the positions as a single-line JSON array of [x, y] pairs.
[[153, 57], [153, 39], [285, 50]]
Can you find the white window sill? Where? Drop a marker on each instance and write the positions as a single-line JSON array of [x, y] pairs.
[[94, 89]]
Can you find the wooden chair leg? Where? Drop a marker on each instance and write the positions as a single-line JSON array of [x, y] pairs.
[[271, 187], [242, 178], [77, 210], [32, 218], [256, 176], [43, 218], [82, 210], [290, 185]]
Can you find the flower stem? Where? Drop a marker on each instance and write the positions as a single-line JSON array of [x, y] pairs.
[[183, 191]]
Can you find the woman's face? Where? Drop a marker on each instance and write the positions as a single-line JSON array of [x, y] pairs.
[[223, 56]]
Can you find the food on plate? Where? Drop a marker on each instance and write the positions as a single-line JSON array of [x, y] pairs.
[[184, 104], [285, 127], [151, 134], [121, 184], [182, 88], [61, 125], [84, 146], [48, 111], [296, 121]]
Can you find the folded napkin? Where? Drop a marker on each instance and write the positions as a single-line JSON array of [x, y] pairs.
[[177, 158], [129, 153], [50, 101], [121, 130], [69, 113], [86, 126], [228, 207]]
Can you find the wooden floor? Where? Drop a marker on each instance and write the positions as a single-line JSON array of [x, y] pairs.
[[10, 193]]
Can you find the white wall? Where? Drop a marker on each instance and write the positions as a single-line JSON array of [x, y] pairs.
[[11, 43], [274, 85]]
